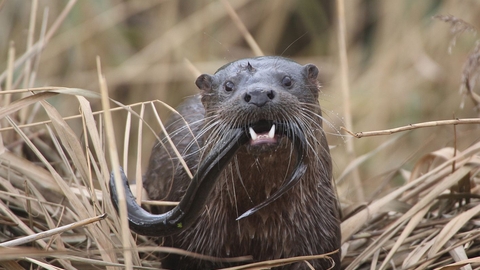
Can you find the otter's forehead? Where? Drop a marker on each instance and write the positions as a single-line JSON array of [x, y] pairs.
[[260, 63]]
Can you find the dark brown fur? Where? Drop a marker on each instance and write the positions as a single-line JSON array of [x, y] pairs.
[[303, 221]]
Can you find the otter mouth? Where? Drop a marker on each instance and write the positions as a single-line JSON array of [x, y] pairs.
[[263, 132]]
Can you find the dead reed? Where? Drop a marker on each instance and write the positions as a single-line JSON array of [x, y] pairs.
[[57, 144]]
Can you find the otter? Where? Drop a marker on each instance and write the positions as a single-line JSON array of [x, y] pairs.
[[263, 178]]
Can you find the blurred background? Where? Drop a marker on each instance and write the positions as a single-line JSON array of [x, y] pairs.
[[404, 66]]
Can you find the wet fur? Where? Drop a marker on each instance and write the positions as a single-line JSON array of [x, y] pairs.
[[303, 221]]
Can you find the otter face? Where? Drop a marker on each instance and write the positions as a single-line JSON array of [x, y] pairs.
[[260, 95]]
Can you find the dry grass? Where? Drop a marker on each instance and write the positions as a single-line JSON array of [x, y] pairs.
[[421, 187]]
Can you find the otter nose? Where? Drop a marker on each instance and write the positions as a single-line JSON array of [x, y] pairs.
[[259, 97]]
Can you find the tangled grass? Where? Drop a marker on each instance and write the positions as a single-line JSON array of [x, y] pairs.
[[55, 164]]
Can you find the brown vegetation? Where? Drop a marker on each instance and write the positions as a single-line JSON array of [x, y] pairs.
[[407, 61]]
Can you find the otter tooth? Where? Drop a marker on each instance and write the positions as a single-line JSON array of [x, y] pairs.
[[253, 134], [271, 133]]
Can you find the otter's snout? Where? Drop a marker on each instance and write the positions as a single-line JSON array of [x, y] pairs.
[[258, 97]]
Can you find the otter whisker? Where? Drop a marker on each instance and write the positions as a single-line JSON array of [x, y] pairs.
[[234, 198], [239, 174]]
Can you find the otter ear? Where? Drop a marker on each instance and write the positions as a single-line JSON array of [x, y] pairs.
[[204, 82], [311, 71]]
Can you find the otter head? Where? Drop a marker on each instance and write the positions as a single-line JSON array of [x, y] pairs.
[[260, 95], [273, 99]]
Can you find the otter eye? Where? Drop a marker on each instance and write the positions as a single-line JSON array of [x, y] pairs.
[[287, 81], [229, 86]]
